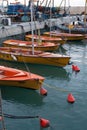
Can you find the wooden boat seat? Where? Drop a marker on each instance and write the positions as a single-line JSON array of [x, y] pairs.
[[44, 54], [2, 74], [1, 71]]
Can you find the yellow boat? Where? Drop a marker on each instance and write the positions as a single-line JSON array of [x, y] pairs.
[[68, 36], [41, 46], [36, 57], [19, 78], [44, 38]]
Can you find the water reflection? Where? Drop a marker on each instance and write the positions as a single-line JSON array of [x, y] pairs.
[[21, 96], [75, 44], [46, 71]]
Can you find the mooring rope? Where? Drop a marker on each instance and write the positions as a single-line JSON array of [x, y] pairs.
[[2, 115], [18, 117], [57, 88]]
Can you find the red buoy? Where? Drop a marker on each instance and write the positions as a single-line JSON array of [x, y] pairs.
[[75, 68], [43, 91], [44, 123], [70, 98]]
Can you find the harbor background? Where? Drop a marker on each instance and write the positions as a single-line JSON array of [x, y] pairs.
[[77, 9], [59, 82]]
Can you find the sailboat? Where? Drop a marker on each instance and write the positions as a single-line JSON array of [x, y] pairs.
[[41, 46], [37, 57], [19, 78]]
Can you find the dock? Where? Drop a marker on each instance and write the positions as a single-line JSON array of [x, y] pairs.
[[24, 27]]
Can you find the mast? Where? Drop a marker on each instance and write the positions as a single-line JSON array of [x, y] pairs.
[[25, 2], [53, 3], [50, 15], [32, 26]]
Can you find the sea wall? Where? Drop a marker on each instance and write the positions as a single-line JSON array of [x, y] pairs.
[[22, 28]]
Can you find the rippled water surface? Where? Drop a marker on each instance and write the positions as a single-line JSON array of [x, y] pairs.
[[59, 82]]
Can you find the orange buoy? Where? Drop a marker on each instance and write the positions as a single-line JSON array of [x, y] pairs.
[[70, 98], [43, 91], [75, 68], [44, 123]]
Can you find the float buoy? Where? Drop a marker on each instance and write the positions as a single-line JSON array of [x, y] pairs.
[[75, 68], [43, 91], [44, 123], [70, 98]]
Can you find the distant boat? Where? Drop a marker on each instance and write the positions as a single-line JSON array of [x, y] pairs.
[[68, 36], [37, 57], [41, 46], [45, 39], [77, 29], [78, 26], [19, 78]]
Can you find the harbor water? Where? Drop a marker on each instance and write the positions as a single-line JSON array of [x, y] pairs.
[[59, 82]]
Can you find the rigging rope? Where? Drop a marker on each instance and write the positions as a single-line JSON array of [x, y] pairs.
[[41, 2], [49, 3], [46, 3]]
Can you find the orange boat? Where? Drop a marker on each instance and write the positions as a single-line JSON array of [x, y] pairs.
[[42, 46], [68, 36], [44, 38], [19, 78]]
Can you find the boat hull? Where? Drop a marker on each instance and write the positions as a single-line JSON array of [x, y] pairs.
[[24, 84], [68, 36]]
